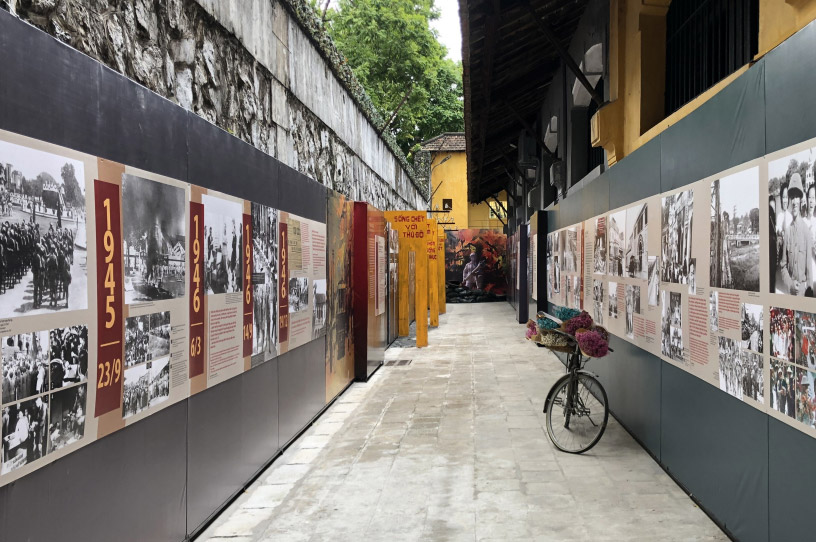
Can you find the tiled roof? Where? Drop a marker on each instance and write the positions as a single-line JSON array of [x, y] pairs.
[[449, 141]]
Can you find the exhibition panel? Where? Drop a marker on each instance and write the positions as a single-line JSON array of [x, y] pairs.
[[707, 289]]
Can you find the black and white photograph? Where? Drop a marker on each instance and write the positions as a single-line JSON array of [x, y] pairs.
[[636, 258], [692, 276], [159, 375], [805, 399], [153, 242], [66, 423], [43, 241], [137, 340], [223, 226], [599, 250], [597, 301], [571, 255], [568, 291], [714, 310], [264, 282], [298, 294], [753, 385], [69, 356], [792, 223], [675, 261], [615, 237], [672, 325], [654, 282], [632, 304], [805, 351], [557, 275], [734, 259], [24, 433], [751, 326], [136, 390], [318, 308], [783, 388], [25, 365], [159, 335], [613, 300], [730, 371], [782, 333], [576, 292]]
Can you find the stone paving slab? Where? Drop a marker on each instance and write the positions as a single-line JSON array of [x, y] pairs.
[[453, 448]]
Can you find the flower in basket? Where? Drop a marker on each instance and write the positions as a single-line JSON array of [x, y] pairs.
[[531, 332], [564, 313], [583, 320], [592, 343]]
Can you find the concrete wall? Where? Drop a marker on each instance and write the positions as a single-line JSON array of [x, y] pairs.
[[252, 68]]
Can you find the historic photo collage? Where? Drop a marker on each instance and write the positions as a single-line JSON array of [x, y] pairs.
[[97, 258], [734, 311]]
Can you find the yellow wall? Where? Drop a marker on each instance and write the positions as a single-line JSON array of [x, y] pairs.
[[449, 180], [637, 69]]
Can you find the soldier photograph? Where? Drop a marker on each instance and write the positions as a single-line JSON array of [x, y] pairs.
[[25, 366], [43, 248], [153, 223], [264, 282], [66, 423], [792, 198]]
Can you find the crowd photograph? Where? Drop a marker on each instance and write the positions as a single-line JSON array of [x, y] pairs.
[[782, 333], [24, 433], [676, 235], [751, 326], [599, 248], [636, 258], [783, 388], [66, 420], [571, 255], [597, 301], [805, 397], [43, 247], [264, 282], [159, 380], [613, 300], [69, 356], [153, 238], [671, 323], [25, 366], [616, 243], [223, 227], [730, 368], [806, 339], [792, 224], [734, 257], [136, 390], [576, 292], [147, 337]]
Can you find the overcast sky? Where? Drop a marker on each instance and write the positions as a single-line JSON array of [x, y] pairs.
[[450, 33]]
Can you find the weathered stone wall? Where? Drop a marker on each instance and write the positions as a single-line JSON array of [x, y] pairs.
[[260, 69]]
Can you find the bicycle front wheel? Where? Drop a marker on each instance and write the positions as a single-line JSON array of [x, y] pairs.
[[577, 413]]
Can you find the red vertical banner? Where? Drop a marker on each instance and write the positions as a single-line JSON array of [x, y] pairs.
[[247, 252], [283, 274], [197, 343], [109, 297]]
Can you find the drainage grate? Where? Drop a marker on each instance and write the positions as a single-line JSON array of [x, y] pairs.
[[397, 362]]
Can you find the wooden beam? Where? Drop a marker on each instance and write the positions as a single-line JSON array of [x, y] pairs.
[[531, 131], [490, 50]]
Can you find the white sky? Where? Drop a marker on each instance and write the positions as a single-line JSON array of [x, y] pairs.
[[740, 190], [447, 26], [31, 162], [779, 167]]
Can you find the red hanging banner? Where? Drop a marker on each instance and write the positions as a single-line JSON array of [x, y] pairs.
[[197, 342], [248, 308]]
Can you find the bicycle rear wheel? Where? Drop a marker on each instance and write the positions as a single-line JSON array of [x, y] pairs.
[[577, 413]]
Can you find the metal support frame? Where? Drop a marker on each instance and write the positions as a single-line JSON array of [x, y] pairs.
[[526, 125], [564, 54]]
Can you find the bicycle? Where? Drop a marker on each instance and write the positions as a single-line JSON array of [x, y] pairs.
[[576, 407]]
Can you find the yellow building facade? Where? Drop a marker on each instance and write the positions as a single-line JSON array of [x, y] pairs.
[[449, 190]]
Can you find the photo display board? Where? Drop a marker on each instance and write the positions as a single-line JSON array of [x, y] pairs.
[[716, 278], [123, 292]]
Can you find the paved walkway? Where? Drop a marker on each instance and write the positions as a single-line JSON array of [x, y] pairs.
[[452, 447]]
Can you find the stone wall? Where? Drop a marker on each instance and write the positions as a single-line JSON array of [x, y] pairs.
[[262, 70]]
